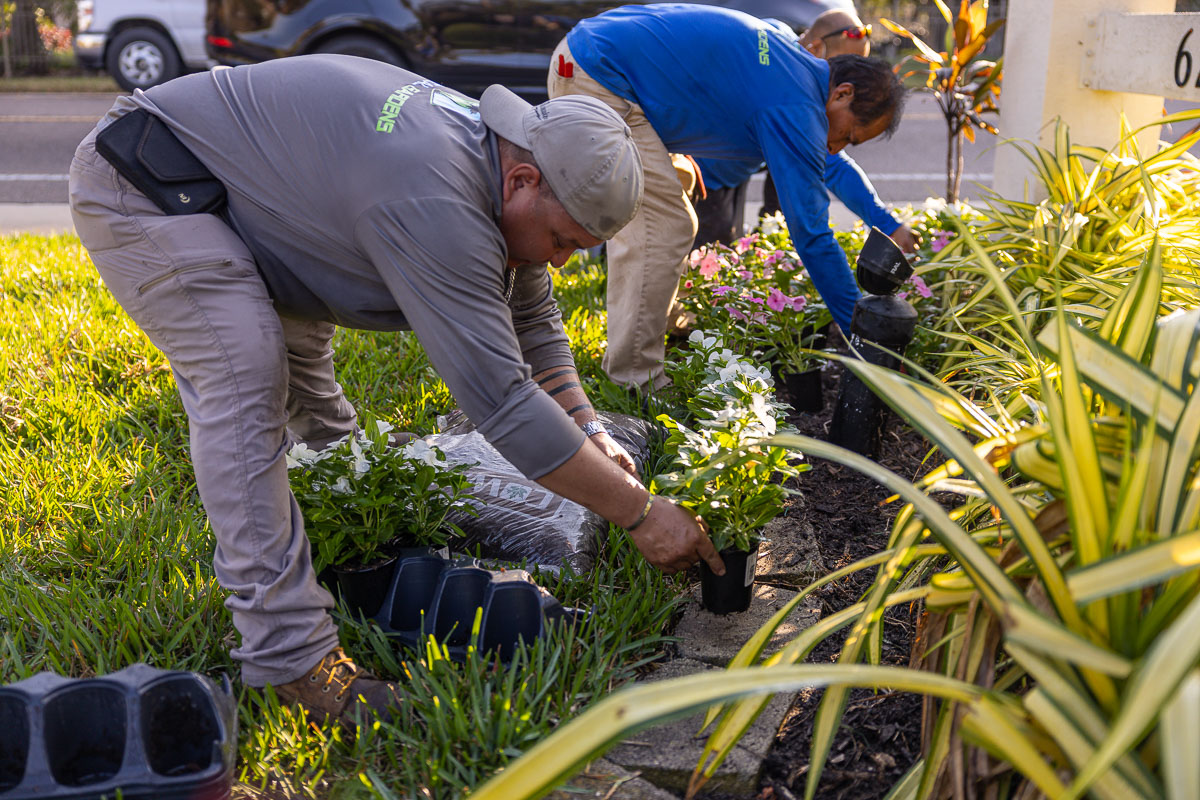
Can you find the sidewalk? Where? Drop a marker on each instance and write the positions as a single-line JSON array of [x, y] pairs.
[[41, 218]]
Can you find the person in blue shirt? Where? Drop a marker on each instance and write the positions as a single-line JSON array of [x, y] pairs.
[[836, 32], [717, 84]]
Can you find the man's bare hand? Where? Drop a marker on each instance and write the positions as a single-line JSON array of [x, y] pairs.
[[905, 239], [672, 539], [615, 452]]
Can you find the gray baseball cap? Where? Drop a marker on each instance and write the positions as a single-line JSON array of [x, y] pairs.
[[584, 150]]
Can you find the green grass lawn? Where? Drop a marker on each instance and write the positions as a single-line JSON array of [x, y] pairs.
[[105, 551]]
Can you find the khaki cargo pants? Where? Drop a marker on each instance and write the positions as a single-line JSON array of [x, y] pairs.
[[648, 256], [246, 377]]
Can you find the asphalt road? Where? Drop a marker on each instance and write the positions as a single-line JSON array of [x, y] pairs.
[[38, 136], [39, 132]]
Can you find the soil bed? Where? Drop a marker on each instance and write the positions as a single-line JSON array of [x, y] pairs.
[[880, 734]]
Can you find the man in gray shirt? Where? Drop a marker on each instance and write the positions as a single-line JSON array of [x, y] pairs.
[[362, 195]]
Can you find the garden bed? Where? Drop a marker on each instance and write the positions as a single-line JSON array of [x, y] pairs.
[[880, 734]]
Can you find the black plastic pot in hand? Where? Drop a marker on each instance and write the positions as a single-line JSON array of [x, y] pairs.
[[364, 588], [801, 389], [881, 266], [729, 593]]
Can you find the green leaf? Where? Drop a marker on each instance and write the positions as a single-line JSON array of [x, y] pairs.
[[1150, 565], [1111, 372], [1180, 738], [559, 756], [1172, 656]]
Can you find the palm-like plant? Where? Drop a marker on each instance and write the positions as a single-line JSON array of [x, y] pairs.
[[1063, 593], [964, 86], [1085, 561], [1080, 247]]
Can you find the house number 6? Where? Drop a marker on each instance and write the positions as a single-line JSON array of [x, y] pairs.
[[1183, 63]]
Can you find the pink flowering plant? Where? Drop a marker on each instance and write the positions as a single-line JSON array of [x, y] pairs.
[[363, 493], [757, 295], [722, 467]]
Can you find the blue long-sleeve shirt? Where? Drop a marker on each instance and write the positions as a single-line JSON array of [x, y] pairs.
[[721, 84], [843, 177]]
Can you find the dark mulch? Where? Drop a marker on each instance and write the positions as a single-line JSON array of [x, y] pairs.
[[879, 739]]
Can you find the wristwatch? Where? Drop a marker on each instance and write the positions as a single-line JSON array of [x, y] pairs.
[[590, 429]]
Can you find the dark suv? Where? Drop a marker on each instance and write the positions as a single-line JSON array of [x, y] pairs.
[[465, 44]]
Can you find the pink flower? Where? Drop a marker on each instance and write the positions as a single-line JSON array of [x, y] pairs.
[[901, 295], [799, 302], [695, 256], [922, 289], [759, 252], [746, 242], [771, 259], [758, 316], [940, 240], [710, 265], [687, 284], [746, 275], [723, 290], [777, 300], [733, 312], [758, 301]]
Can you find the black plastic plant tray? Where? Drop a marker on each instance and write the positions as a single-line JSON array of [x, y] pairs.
[[143, 732], [434, 595]]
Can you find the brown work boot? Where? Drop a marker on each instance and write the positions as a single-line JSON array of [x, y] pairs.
[[337, 688]]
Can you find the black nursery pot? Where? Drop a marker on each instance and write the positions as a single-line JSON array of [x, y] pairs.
[[801, 389], [364, 588], [882, 265], [729, 593]]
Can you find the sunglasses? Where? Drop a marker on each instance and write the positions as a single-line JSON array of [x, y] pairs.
[[851, 33]]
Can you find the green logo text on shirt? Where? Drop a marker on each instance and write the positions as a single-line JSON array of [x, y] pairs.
[[396, 100], [763, 47]]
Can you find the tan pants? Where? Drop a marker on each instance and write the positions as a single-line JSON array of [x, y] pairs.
[[646, 259], [251, 382]]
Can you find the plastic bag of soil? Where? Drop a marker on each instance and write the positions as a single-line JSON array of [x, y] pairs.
[[517, 519]]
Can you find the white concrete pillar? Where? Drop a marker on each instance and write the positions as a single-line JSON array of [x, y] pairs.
[[1045, 46]]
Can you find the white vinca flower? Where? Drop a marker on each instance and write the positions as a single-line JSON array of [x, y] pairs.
[[761, 376], [703, 339], [721, 356], [729, 372], [737, 368], [301, 455], [361, 464], [419, 450], [342, 486], [763, 413], [772, 223], [384, 427], [724, 417]]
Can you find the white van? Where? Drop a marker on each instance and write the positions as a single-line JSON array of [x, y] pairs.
[[142, 43]]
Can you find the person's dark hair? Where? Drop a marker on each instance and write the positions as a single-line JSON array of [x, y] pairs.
[[514, 152], [877, 90]]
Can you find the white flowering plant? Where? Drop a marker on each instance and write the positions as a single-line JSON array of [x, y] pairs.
[[364, 493], [723, 469]]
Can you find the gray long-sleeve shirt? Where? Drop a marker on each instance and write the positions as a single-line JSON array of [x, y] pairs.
[[370, 197]]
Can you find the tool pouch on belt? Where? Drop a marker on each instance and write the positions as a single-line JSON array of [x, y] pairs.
[[142, 148]]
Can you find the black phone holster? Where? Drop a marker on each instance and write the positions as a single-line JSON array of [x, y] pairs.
[[142, 148]]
